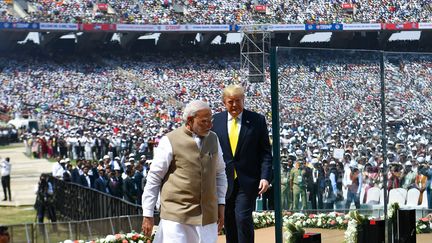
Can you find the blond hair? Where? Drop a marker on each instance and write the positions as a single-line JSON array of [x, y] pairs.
[[233, 90]]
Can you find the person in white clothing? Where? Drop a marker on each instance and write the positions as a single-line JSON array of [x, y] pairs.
[[188, 171], [59, 168], [5, 178]]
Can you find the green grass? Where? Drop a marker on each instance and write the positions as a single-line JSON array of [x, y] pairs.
[[11, 146], [17, 215]]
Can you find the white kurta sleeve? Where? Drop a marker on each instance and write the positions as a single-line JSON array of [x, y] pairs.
[[158, 169], [221, 179]]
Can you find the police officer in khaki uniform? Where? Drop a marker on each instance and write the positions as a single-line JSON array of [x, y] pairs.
[[298, 185], [285, 184]]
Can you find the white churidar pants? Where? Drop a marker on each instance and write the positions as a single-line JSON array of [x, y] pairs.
[[170, 231]]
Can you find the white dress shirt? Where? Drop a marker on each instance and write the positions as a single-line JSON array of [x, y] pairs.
[[5, 168], [57, 170]]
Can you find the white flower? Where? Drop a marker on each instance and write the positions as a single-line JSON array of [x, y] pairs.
[[67, 241], [110, 238], [140, 241]]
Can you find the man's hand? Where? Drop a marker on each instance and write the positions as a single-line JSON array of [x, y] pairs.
[[263, 186], [147, 226], [221, 217]]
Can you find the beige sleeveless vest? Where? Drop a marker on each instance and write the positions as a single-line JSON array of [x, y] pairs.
[[188, 192]]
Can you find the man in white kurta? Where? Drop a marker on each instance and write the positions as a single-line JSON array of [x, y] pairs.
[[188, 171]]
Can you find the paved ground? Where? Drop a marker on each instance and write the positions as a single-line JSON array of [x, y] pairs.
[[24, 176], [267, 235]]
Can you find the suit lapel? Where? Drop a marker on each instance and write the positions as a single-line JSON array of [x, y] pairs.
[[243, 130]]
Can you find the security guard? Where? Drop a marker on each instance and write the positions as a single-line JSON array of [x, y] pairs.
[[285, 184], [298, 185]]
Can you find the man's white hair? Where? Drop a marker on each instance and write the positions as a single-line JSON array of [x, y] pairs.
[[192, 108]]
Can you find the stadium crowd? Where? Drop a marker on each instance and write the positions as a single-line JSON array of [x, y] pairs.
[[329, 109], [226, 12]]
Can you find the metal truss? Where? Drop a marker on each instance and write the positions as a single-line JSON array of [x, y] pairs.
[[254, 55]]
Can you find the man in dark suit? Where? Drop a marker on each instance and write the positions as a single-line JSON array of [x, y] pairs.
[[85, 179], [243, 136], [101, 183]]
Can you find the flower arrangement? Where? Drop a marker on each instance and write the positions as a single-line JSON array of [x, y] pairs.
[[392, 211], [355, 222], [131, 237], [292, 233], [263, 219], [424, 225], [333, 220]]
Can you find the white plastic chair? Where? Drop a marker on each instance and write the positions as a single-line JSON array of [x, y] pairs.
[[373, 195], [362, 194], [412, 197], [397, 195], [381, 201], [424, 200]]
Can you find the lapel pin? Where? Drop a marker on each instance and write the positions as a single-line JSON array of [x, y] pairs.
[[247, 121]]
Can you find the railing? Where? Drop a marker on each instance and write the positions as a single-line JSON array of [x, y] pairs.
[[75, 202]]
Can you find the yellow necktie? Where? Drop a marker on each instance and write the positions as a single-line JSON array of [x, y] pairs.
[[233, 137]]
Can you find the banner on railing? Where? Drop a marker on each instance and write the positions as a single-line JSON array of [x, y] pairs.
[[402, 26], [324, 27], [252, 28], [174, 28], [287, 27], [9, 25], [425, 26], [98, 27], [58, 26], [361, 26], [136, 27]]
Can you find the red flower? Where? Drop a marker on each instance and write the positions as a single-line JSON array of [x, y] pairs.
[[311, 216], [424, 220], [125, 241], [333, 222], [345, 221]]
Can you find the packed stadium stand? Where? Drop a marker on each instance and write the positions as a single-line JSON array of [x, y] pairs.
[[221, 11]]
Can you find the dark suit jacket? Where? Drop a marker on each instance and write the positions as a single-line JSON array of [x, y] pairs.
[[129, 190], [253, 157], [83, 181], [101, 184]]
